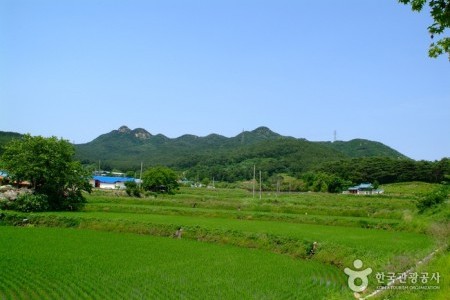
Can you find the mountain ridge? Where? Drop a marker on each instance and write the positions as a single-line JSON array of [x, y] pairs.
[[125, 146]]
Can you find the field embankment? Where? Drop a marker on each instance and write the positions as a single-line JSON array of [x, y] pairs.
[[385, 232]]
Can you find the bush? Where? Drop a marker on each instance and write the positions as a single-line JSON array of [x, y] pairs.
[[433, 199], [132, 189], [30, 203], [160, 180], [49, 165], [72, 200], [5, 203]]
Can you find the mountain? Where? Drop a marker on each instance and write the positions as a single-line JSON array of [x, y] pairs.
[[233, 159], [6, 137], [225, 158], [125, 149], [363, 148]]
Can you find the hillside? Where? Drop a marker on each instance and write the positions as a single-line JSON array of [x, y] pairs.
[[125, 149], [363, 148], [6, 136], [218, 156]]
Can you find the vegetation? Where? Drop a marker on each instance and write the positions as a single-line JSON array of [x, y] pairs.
[[6, 137], [286, 164], [48, 165], [227, 159], [89, 264], [333, 166], [418, 293], [358, 148], [433, 199], [304, 239], [160, 180], [440, 12], [29, 203], [132, 189], [387, 170], [386, 231]]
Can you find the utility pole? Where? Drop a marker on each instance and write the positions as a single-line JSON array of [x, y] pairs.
[[278, 186], [140, 177], [254, 179], [260, 185]]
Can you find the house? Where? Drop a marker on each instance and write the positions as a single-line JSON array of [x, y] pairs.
[[364, 189], [3, 175], [4, 179], [109, 182]]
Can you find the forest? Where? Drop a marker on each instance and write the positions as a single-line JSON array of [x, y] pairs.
[[283, 163]]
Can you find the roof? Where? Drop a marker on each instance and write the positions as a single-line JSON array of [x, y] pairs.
[[362, 186], [110, 179]]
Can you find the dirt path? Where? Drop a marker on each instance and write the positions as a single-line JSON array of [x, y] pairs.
[[404, 274]]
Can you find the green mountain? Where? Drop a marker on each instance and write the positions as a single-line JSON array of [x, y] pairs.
[[363, 148], [218, 156], [233, 159], [6, 137], [125, 149]]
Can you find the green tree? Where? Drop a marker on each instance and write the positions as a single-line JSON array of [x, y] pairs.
[[47, 163], [160, 180], [132, 189], [440, 12], [433, 199]]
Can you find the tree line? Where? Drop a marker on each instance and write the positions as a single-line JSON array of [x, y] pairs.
[[59, 181], [388, 170]]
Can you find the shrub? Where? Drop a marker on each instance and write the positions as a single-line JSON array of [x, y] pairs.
[[132, 189], [160, 180], [49, 165], [5, 203], [31, 203], [433, 199]]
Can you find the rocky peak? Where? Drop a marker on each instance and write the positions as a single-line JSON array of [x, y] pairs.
[[124, 129], [141, 133]]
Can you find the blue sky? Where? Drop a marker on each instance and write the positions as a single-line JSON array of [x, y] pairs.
[[80, 68]]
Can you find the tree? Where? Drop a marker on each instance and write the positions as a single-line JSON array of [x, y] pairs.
[[440, 12], [132, 189], [433, 199], [47, 163], [160, 180]]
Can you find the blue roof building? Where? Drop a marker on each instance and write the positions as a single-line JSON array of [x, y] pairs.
[[364, 189], [110, 182]]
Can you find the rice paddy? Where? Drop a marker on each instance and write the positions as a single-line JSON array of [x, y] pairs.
[[233, 246]]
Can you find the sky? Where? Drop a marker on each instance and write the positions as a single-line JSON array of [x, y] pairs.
[[77, 69]]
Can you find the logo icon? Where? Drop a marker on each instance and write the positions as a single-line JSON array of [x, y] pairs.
[[353, 275]]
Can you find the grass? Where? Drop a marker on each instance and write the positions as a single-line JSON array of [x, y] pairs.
[[385, 231], [439, 265], [84, 264], [408, 189]]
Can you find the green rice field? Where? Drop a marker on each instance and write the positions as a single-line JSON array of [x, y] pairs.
[[233, 245], [83, 264]]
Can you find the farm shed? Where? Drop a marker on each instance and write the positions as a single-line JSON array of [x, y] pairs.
[[364, 189], [109, 182]]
